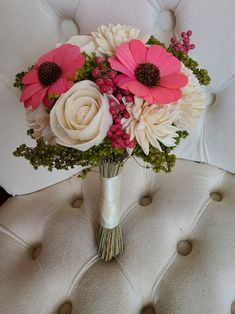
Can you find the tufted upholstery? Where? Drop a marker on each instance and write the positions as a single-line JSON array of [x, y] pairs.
[[179, 255]]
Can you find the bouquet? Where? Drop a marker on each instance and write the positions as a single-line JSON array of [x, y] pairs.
[[98, 100]]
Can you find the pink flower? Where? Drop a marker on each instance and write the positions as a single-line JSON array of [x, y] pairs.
[[50, 75], [148, 72]]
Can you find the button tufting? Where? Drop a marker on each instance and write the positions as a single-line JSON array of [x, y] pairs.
[[146, 200], [148, 310], [77, 203], [216, 196], [233, 308], [37, 251], [69, 28], [65, 308], [166, 20], [210, 97], [184, 247]]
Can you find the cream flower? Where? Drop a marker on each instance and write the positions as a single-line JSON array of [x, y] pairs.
[[85, 42], [39, 121], [192, 103], [151, 124], [109, 37], [80, 118]]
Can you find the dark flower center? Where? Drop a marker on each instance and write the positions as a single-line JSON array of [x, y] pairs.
[[48, 73], [147, 74]]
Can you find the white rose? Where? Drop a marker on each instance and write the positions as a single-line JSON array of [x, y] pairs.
[[85, 42], [80, 118]]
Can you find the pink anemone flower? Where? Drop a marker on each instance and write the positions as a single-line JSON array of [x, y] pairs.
[[51, 75], [148, 72]]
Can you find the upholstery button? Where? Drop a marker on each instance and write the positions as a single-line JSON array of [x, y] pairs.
[[65, 308], [166, 20], [233, 308], [69, 28], [77, 203], [184, 247], [37, 251], [146, 200], [210, 97], [148, 310], [216, 196]]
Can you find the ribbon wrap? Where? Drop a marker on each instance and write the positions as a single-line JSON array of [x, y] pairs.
[[110, 201]]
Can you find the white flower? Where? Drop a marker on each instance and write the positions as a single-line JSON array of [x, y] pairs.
[[80, 118], [151, 124], [109, 37], [85, 42], [39, 121], [192, 103]]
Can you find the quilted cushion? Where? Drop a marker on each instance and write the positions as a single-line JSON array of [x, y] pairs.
[[179, 249], [29, 28]]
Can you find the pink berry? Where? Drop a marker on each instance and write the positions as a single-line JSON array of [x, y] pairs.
[[112, 75], [95, 72], [112, 103], [129, 98], [117, 120], [102, 68], [104, 89], [98, 60], [119, 97], [121, 107], [99, 82], [115, 145], [110, 134], [132, 144], [173, 40], [108, 82], [186, 40], [113, 128], [126, 115], [178, 45], [119, 132], [189, 32], [127, 143], [126, 136], [126, 92], [109, 90], [192, 46], [183, 34], [112, 111]]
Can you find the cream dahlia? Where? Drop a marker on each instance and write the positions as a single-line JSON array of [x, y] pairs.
[[192, 103], [109, 37], [151, 124]]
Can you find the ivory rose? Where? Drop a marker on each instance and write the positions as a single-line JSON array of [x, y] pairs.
[[80, 118]]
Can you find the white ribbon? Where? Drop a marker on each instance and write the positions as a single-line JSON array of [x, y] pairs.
[[110, 201]]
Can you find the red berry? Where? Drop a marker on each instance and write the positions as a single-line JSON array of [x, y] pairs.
[[126, 136], [183, 34], [102, 67], [132, 144], [126, 92], [127, 143], [104, 89], [112, 103], [110, 134], [121, 107], [173, 40], [129, 98], [189, 32], [112, 74], [192, 46], [119, 132], [95, 72], [99, 82], [112, 111], [98, 60], [113, 128], [126, 115], [117, 120], [119, 97], [109, 90]]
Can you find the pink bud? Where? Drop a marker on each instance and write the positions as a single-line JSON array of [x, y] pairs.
[[189, 32], [98, 60], [183, 34]]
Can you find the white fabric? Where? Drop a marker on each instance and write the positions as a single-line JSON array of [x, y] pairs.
[[110, 201], [149, 272], [30, 28]]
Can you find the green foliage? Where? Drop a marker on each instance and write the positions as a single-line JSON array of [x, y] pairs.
[[154, 41], [60, 157], [19, 76]]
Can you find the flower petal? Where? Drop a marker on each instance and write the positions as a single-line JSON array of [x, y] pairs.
[[138, 51], [49, 56], [47, 102], [118, 66], [67, 53], [173, 81], [59, 87], [138, 89], [156, 55], [169, 66], [125, 56], [29, 90], [38, 97], [72, 67], [122, 81], [164, 95], [30, 77]]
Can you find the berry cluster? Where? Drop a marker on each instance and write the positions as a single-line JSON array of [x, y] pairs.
[[182, 45], [105, 79]]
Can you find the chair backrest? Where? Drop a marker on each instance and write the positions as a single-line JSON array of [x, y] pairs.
[[30, 28]]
